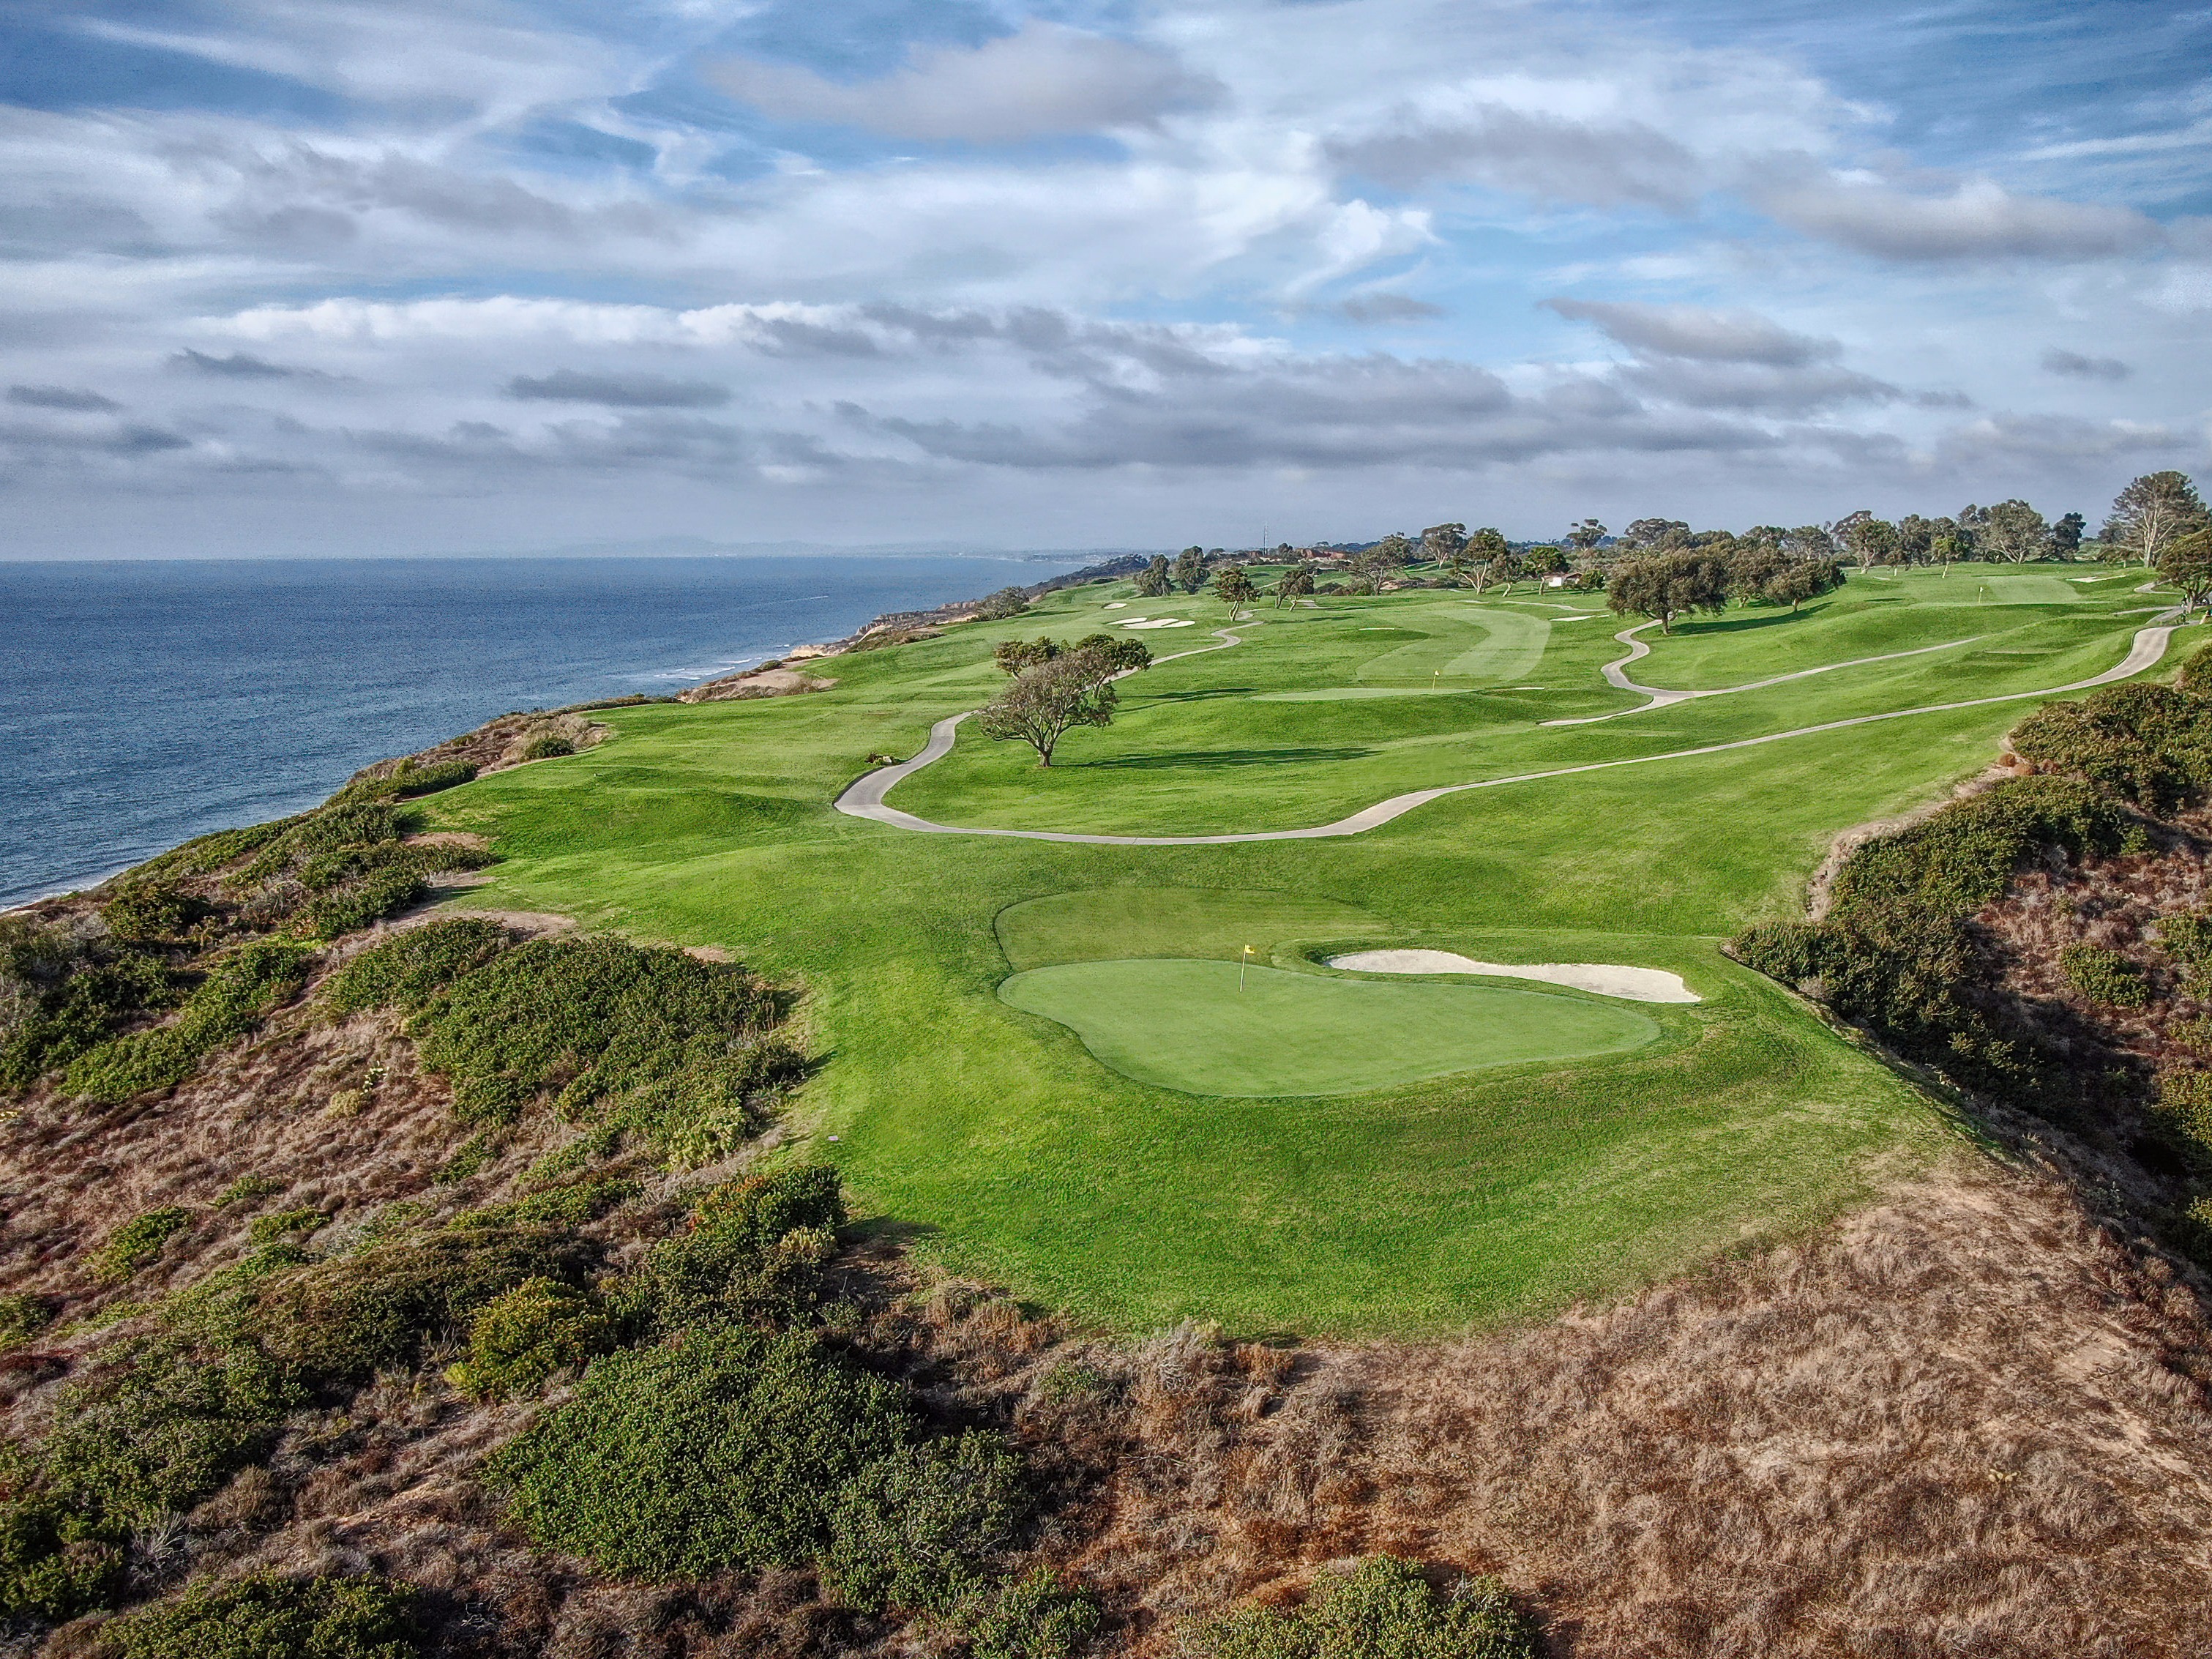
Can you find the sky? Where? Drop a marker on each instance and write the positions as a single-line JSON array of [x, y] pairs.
[[302, 277]]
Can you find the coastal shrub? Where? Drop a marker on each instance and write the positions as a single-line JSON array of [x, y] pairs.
[[22, 1316], [1004, 603], [246, 1190], [595, 1017], [370, 899], [405, 970], [1032, 1617], [571, 1205], [2183, 1111], [547, 745], [205, 855], [1380, 1607], [2193, 1033], [63, 990], [712, 1105], [341, 1320], [472, 1156], [2104, 976], [325, 830], [2150, 744], [162, 1429], [518, 1340], [280, 1225], [724, 1449], [410, 780], [263, 1615], [136, 1243], [230, 1002], [2196, 670], [925, 1527], [54, 1563], [751, 1250], [153, 910], [2187, 939]]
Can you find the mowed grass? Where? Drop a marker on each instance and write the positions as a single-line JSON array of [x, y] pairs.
[[1220, 1028], [999, 1144]]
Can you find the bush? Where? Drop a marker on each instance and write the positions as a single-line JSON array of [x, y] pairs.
[[924, 1527], [571, 1205], [1381, 1607], [136, 1243], [358, 904], [750, 1251], [547, 746], [406, 970], [163, 1429], [404, 781], [2150, 744], [262, 1615], [22, 1316], [2196, 670], [2184, 1112], [280, 1225], [999, 606], [2104, 976], [53, 1563], [1032, 1617], [340, 1322], [246, 1189], [152, 909], [520, 1340], [206, 854], [724, 1449], [63, 990], [229, 1003]]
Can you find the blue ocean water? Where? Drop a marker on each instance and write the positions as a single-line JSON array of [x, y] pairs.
[[142, 703]]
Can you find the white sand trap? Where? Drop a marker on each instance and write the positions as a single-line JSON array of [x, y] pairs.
[[1160, 622], [1607, 979], [1117, 604]]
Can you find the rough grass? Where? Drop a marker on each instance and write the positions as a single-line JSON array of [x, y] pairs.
[[1213, 1027]]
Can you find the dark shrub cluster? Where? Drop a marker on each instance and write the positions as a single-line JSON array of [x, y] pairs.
[[153, 910], [2104, 976], [406, 971], [751, 1251], [136, 1243], [405, 781], [240, 989], [262, 1615], [1380, 1607], [547, 745], [63, 991], [2150, 744], [520, 1340]]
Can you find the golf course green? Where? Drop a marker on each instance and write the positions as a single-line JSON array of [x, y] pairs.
[[1031, 1053]]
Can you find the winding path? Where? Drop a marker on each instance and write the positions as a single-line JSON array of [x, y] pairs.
[[864, 798], [1615, 675]]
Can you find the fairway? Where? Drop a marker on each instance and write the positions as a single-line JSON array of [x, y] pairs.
[[1293, 1159], [1192, 1027]]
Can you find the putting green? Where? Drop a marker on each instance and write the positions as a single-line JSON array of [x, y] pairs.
[[1187, 1026], [1482, 646]]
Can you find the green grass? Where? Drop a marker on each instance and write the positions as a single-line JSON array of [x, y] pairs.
[[1213, 1027], [997, 1143]]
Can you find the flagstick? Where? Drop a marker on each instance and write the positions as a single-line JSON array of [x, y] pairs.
[[1242, 963]]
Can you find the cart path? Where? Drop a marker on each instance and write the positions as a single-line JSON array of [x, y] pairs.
[[1661, 698], [864, 798]]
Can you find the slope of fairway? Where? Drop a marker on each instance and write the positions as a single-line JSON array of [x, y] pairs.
[[1213, 1027], [1198, 923]]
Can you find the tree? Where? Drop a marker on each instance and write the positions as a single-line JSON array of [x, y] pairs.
[[1949, 541], [1751, 565], [1800, 580], [1665, 586], [1585, 536], [1545, 561], [1190, 569], [2156, 510], [1871, 541], [1015, 655], [1483, 550], [2186, 564], [1234, 588], [1155, 581], [1297, 582], [1915, 538], [1041, 705], [1006, 602], [1655, 535], [1506, 566], [2013, 533], [1115, 653], [1441, 544], [2066, 536], [1810, 541]]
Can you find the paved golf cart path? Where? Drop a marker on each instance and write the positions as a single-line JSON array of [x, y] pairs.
[[863, 799], [1661, 698]]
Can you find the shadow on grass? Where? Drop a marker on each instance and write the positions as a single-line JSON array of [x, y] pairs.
[[1211, 757], [1199, 696], [1741, 624]]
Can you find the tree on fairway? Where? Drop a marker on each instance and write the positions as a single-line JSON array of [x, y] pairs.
[[1948, 542], [1915, 538], [1115, 653], [1655, 535], [1800, 580], [1668, 585], [1482, 551], [1154, 581], [2186, 564], [1190, 569], [1297, 582], [1751, 565], [1545, 563], [1870, 540], [2013, 533], [1585, 536], [1041, 705], [1506, 566], [1015, 655], [1234, 588], [2066, 536], [1442, 543], [2156, 510]]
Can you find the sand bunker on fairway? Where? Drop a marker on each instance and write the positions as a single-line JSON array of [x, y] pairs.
[[1607, 979], [1188, 1025]]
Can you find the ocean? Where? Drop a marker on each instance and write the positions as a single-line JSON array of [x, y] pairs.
[[142, 703]]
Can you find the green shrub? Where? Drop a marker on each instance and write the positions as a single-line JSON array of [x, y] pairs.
[[246, 1189], [925, 1528], [1381, 1607], [2147, 743], [136, 1243], [2193, 1033], [152, 909], [712, 1105], [724, 1449], [1033, 1617], [752, 1249], [2187, 939], [283, 1224], [69, 991], [162, 1429], [2184, 1112], [571, 1205], [206, 854], [518, 1340], [53, 1563], [2196, 670], [2104, 976], [600, 1016], [405, 781], [230, 1002], [325, 830], [358, 904], [407, 970], [264, 1616], [341, 1320], [547, 746], [472, 1156], [22, 1316]]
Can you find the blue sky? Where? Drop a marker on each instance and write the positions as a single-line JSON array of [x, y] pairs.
[[289, 277]]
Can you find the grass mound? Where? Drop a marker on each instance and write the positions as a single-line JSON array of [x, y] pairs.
[[1195, 923], [1186, 1025]]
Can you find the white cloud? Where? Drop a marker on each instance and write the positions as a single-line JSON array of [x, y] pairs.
[[1974, 219]]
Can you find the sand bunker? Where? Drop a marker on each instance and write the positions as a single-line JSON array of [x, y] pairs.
[[1607, 979], [1159, 622]]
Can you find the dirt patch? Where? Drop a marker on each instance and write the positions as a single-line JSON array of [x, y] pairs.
[[758, 683]]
